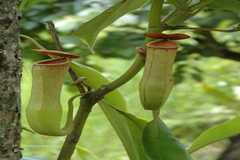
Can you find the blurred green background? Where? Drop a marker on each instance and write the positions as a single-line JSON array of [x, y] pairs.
[[207, 89]]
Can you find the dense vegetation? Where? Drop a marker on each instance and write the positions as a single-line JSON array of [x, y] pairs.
[[207, 87]]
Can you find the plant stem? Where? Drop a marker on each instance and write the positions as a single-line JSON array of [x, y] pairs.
[[78, 125], [90, 99], [58, 45], [54, 35], [32, 40], [129, 74], [87, 102], [156, 114], [84, 110], [154, 24]]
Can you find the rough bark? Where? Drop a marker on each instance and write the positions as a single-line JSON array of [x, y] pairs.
[[10, 73]]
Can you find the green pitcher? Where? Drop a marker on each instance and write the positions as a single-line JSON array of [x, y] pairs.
[[44, 111]]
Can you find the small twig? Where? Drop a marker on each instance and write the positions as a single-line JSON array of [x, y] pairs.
[[87, 102], [54, 35], [83, 111], [206, 29], [131, 72], [32, 40], [58, 45], [78, 125]]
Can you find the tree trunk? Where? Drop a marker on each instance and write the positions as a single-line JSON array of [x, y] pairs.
[[10, 74]]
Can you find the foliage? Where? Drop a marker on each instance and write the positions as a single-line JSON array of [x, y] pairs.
[[218, 132], [160, 144], [89, 30], [197, 64]]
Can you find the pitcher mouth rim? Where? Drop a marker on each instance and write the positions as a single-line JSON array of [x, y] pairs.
[[53, 62], [162, 45], [56, 53]]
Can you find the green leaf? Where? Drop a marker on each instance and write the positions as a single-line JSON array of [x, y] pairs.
[[95, 79], [84, 154], [216, 133], [89, 30], [226, 5], [129, 129], [160, 144]]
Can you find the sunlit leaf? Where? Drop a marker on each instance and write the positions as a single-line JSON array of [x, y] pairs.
[[129, 129], [216, 133], [160, 144], [85, 154], [95, 79], [89, 30]]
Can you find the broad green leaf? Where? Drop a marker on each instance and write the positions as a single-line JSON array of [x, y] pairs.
[[216, 133], [226, 98], [160, 144], [129, 129], [88, 31], [226, 5], [84, 154], [95, 80]]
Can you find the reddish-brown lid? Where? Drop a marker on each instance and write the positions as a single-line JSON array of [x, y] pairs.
[[56, 53], [56, 62], [176, 36], [162, 44]]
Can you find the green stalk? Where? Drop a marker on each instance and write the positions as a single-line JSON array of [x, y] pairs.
[[86, 104], [78, 125], [88, 100], [129, 74], [155, 25]]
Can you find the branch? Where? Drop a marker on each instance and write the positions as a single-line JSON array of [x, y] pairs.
[[78, 125], [90, 99], [58, 45], [202, 29], [38, 45], [216, 48], [179, 15], [129, 74], [83, 111]]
